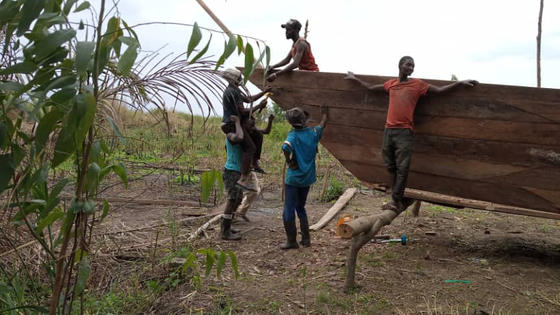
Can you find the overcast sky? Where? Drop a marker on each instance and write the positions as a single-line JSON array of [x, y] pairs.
[[493, 41]]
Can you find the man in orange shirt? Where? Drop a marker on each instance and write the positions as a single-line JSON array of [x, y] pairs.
[[300, 54], [404, 93]]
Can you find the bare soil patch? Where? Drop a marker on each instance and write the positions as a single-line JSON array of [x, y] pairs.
[[498, 263]]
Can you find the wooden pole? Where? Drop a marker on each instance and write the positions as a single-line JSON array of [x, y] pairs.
[[539, 32], [215, 18], [219, 22], [477, 204]]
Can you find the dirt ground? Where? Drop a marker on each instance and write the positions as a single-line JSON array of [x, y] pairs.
[[504, 264]]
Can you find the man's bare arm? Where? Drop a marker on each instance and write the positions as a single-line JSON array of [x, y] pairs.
[[236, 136], [283, 62], [252, 98], [266, 130], [300, 49], [371, 87], [446, 88]]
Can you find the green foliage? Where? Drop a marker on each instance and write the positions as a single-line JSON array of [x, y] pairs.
[[209, 180], [334, 190], [19, 295], [57, 77], [206, 258]]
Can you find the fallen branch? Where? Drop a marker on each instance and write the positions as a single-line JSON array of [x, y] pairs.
[[17, 248], [160, 202], [152, 226], [187, 170], [335, 209], [203, 228]]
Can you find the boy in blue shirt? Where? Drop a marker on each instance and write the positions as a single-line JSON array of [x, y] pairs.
[[300, 149]]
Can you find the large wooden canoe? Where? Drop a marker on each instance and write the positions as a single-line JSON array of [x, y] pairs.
[[493, 143]]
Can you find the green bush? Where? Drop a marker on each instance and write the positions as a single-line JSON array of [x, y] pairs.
[[334, 190]]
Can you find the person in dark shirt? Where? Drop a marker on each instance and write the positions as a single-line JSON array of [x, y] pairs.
[[232, 101]]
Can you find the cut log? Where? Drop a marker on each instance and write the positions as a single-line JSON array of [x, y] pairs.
[[335, 209]]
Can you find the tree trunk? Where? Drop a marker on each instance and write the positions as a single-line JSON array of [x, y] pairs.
[[362, 230]]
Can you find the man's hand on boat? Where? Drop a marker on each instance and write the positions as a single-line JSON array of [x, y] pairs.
[[271, 74], [350, 76], [468, 82]]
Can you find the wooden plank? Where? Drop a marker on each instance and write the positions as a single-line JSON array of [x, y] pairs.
[[538, 133], [335, 209], [492, 143]]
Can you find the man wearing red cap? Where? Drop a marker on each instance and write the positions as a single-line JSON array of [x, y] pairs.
[[300, 54]]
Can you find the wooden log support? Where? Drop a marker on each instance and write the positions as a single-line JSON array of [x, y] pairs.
[[416, 208], [335, 209], [362, 230]]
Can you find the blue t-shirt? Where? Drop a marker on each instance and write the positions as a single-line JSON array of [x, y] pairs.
[[234, 154], [303, 142]]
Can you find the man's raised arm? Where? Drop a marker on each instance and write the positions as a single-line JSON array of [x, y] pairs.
[[371, 87]]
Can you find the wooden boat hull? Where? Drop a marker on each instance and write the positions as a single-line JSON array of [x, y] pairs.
[[492, 143]]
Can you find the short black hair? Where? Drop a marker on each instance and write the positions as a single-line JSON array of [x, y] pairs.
[[405, 58]]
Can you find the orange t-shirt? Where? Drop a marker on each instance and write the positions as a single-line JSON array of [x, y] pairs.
[[307, 60], [403, 97]]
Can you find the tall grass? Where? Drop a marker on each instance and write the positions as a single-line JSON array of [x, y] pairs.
[[198, 143]]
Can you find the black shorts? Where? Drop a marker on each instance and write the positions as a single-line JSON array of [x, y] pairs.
[[230, 182]]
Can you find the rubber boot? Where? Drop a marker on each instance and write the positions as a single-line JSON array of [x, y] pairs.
[[226, 231], [305, 237], [232, 229], [291, 234]]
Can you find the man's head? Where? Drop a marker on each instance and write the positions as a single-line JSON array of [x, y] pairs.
[[292, 28], [233, 76], [406, 66], [297, 117]]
